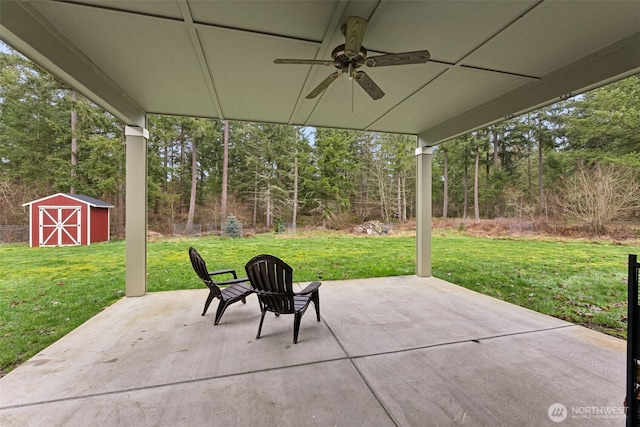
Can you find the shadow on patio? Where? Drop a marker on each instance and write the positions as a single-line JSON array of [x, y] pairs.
[[405, 351]]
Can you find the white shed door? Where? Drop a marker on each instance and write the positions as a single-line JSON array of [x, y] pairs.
[[60, 226]]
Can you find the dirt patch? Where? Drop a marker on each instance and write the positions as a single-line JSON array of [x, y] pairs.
[[623, 232]]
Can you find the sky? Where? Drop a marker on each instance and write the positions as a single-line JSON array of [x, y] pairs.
[[3, 47]]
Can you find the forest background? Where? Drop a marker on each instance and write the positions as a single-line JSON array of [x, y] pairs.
[[572, 167]]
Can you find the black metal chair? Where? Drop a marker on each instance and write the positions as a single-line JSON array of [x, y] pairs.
[[272, 280], [237, 289]]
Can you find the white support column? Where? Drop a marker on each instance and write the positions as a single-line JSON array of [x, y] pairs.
[[136, 213], [424, 157]]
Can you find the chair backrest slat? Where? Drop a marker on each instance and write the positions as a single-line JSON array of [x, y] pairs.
[[272, 280]]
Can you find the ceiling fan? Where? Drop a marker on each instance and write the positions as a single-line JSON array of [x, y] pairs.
[[351, 55]]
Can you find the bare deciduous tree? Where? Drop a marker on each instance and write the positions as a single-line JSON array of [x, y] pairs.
[[596, 195]]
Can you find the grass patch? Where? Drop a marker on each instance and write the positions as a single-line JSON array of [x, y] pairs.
[[47, 292], [581, 282]]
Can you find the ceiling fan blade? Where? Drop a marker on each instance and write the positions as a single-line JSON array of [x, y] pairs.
[[417, 57], [324, 85], [354, 34], [304, 61], [368, 85]]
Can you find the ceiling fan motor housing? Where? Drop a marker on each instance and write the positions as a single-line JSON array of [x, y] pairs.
[[344, 62]]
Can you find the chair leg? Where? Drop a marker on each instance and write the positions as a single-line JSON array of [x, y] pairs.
[[222, 306], [296, 326], [315, 298], [244, 300], [206, 304], [261, 320]]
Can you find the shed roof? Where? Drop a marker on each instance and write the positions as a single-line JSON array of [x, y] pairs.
[[78, 197]]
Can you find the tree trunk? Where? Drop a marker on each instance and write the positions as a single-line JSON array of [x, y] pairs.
[[487, 185], [295, 184], [541, 201], [225, 173], [74, 141], [529, 180], [384, 212], [445, 201], [269, 219], [255, 198], [404, 197], [496, 149], [476, 202], [194, 182], [465, 186], [181, 140], [399, 198], [165, 163]]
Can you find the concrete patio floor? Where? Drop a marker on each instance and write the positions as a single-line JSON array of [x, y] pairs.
[[398, 351]]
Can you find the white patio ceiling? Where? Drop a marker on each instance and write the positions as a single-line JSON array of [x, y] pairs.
[[489, 59]]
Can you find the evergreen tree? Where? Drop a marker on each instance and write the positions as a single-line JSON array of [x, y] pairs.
[[232, 227], [606, 119], [335, 168]]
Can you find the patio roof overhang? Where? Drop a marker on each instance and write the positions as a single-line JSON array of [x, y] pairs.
[[489, 60]]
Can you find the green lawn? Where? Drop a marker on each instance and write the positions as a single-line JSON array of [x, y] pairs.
[[46, 292]]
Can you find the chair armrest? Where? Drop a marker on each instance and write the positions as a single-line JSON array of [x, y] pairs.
[[233, 281], [312, 287], [227, 271]]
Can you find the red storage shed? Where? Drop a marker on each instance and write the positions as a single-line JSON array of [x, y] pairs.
[[67, 220]]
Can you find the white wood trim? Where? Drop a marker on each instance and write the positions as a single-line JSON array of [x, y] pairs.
[[60, 228]]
